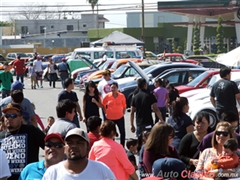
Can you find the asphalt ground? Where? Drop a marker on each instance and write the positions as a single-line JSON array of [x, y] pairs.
[[45, 100]]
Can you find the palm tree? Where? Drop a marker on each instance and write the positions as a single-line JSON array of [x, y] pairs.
[[93, 3]]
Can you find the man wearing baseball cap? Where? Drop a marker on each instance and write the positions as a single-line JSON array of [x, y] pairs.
[[19, 141], [76, 149], [54, 153], [25, 104]]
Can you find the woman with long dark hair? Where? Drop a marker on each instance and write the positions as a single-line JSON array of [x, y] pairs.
[[158, 145], [91, 101], [180, 121], [188, 151]]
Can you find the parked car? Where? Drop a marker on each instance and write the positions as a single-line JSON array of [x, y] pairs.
[[125, 70], [199, 100], [128, 85], [176, 57], [180, 76], [13, 56], [2, 58], [116, 64], [83, 76], [150, 55], [201, 81]]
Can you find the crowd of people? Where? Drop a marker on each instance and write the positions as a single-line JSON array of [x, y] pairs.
[[174, 148]]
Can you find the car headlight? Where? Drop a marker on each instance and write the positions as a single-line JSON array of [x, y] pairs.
[[122, 89]]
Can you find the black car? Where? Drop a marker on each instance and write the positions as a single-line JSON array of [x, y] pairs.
[[125, 70], [127, 86]]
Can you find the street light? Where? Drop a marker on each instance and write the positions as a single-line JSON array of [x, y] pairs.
[[52, 42]]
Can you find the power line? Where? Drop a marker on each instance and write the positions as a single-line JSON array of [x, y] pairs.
[[76, 5]]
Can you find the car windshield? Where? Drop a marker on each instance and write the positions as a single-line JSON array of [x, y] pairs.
[[119, 71], [147, 70], [212, 81], [194, 82], [22, 55], [105, 65]]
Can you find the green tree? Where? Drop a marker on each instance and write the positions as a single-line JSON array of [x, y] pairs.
[[179, 49], [219, 36], [196, 39], [4, 24], [173, 46], [93, 3]]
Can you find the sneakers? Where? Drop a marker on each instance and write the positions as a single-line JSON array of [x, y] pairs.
[[41, 86]]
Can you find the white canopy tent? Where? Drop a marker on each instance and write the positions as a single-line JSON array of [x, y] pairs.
[[232, 58]]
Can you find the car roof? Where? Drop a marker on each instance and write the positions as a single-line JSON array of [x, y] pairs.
[[175, 64]]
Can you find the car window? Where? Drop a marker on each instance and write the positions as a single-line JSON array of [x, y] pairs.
[[198, 79], [173, 78], [2, 58], [14, 56], [130, 72], [119, 71]]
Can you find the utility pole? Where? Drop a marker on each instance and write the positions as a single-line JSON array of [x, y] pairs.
[[143, 23], [97, 22]]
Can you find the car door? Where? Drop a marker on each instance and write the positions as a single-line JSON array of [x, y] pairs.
[[176, 78]]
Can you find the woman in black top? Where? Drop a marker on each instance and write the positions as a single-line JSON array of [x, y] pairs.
[[91, 101], [188, 151]]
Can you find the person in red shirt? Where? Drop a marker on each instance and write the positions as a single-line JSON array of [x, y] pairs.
[[93, 125], [19, 66]]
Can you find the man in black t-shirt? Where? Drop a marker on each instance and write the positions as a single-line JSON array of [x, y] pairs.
[[20, 142], [143, 103], [224, 93], [67, 93]]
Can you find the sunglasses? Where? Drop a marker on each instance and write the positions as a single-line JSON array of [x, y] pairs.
[[13, 116], [51, 144], [218, 133]]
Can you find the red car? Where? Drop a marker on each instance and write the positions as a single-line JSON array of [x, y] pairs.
[[176, 57], [201, 81]]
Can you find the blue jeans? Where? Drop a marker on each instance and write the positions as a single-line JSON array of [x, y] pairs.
[[63, 77], [18, 76], [121, 127], [5, 93]]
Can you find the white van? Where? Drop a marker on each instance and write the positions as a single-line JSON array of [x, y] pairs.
[[114, 52]]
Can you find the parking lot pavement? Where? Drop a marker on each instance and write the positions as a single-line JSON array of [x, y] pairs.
[[45, 100]]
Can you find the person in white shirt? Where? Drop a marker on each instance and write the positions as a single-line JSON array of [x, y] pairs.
[[104, 86], [4, 168], [78, 166], [37, 64]]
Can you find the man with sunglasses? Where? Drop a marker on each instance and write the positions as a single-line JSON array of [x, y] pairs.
[[78, 166], [19, 141], [228, 116], [54, 153], [25, 104]]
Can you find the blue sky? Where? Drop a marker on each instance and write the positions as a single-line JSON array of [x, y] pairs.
[[116, 18]]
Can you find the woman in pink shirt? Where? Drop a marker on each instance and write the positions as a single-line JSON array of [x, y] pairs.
[[112, 153]]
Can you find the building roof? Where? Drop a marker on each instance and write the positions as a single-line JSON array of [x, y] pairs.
[[118, 38]]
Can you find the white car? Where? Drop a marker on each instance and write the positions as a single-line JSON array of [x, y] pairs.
[[200, 101]]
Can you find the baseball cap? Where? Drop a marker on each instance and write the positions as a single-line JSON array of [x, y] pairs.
[[12, 106], [165, 166], [106, 72], [54, 135], [17, 86], [77, 132]]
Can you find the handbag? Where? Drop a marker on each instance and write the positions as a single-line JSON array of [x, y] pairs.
[[188, 167]]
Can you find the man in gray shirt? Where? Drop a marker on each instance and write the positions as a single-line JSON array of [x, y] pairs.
[[65, 113], [25, 104]]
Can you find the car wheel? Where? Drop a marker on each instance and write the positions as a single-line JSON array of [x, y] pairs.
[[213, 118]]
